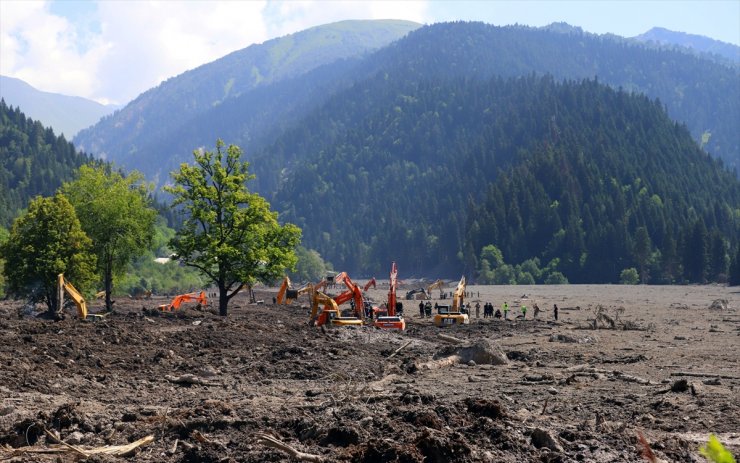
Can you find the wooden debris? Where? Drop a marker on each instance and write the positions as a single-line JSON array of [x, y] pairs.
[[703, 375], [399, 350], [63, 447], [450, 339], [188, 378], [270, 441]]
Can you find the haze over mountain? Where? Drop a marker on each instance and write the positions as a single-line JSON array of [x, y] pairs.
[[66, 114], [152, 125], [251, 96], [695, 42]]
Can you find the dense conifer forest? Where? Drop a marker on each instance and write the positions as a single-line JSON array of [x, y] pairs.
[[33, 161], [572, 174]]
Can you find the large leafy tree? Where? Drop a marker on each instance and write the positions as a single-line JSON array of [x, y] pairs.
[[116, 212], [229, 233], [44, 242]]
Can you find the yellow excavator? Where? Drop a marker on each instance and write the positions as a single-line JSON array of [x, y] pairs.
[[286, 294], [436, 285], [447, 315], [330, 314], [64, 286]]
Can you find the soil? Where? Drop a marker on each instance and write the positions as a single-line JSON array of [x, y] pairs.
[[662, 362]]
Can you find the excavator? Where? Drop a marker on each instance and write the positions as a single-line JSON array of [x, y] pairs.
[[392, 321], [200, 298], [370, 283], [447, 315], [436, 285], [416, 294], [64, 286], [330, 314], [286, 294]]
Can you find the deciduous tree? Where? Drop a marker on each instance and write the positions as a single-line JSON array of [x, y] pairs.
[[115, 211], [44, 242], [229, 233]]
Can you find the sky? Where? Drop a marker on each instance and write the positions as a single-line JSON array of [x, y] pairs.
[[111, 51]]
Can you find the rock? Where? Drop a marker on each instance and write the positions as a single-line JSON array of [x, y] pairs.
[[75, 438], [552, 390], [708, 382], [680, 385], [718, 304], [541, 438]]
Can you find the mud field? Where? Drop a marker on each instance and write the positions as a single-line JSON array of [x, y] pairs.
[[195, 387]]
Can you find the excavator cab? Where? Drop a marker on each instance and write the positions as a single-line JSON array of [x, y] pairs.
[[454, 315]]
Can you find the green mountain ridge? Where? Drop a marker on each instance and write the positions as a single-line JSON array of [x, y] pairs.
[[428, 173], [191, 110], [131, 136], [67, 115]]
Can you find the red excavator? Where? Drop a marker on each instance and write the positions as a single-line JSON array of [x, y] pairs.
[[353, 293], [179, 299], [370, 283], [392, 321]]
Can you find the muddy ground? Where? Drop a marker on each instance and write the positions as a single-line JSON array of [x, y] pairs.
[[207, 388]]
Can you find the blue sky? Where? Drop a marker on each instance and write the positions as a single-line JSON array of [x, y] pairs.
[[112, 50]]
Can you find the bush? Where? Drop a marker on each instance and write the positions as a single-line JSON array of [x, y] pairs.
[[629, 276]]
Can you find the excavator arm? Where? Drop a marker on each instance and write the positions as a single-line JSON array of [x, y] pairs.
[[64, 286], [370, 283], [283, 289], [200, 298], [392, 290], [459, 297]]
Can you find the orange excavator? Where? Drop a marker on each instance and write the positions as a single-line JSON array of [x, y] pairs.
[[392, 321], [200, 298], [370, 283], [330, 314], [353, 293]]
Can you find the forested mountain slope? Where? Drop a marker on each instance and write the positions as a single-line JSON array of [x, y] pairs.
[[66, 114], [150, 127], [698, 43], [244, 105], [426, 173], [33, 161]]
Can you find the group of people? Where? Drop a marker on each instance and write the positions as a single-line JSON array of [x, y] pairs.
[[488, 311]]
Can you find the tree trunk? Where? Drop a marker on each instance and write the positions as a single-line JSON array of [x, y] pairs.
[[223, 299], [108, 287]]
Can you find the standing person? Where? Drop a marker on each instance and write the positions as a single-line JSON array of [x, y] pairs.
[[421, 309], [477, 310], [536, 310], [555, 311], [524, 312], [506, 310]]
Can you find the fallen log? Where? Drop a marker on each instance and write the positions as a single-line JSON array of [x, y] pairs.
[[190, 379], [450, 339], [270, 441], [703, 375]]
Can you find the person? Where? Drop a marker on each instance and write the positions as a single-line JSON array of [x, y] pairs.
[[555, 311], [524, 311], [498, 313], [399, 308], [421, 309], [536, 310], [477, 310], [428, 309], [506, 310]]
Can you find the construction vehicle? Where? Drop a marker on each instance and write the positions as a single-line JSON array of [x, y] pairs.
[[64, 286], [392, 321], [330, 314], [353, 293], [286, 294], [454, 315], [200, 298], [436, 285], [416, 294], [370, 283]]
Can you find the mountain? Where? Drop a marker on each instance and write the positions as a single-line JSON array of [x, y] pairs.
[[157, 119], [698, 43], [244, 100], [33, 161], [430, 172], [65, 114]]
